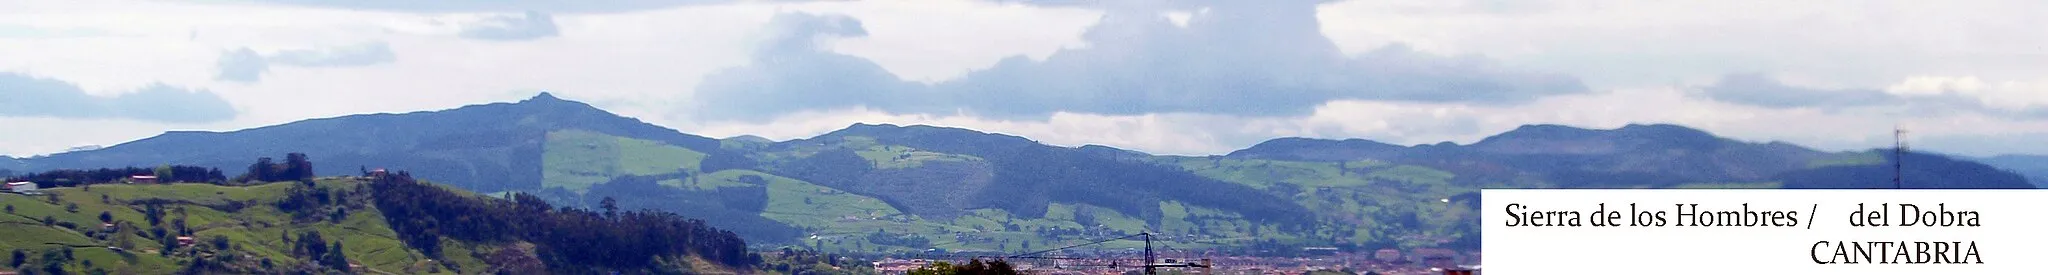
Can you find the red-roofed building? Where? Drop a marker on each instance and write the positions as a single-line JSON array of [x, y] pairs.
[[1437, 257], [1387, 255]]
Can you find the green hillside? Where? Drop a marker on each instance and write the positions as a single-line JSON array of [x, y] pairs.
[[576, 159], [1359, 202], [386, 224], [245, 218]]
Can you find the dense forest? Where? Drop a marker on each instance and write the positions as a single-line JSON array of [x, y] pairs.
[[566, 240]]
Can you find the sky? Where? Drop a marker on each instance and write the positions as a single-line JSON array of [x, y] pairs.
[[1192, 77]]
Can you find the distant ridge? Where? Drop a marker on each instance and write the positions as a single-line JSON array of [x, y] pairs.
[[1635, 155], [486, 148]]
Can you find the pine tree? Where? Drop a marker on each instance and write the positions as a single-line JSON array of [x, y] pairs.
[[335, 258]]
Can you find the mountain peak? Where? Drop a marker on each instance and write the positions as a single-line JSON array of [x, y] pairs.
[[544, 96], [547, 102]]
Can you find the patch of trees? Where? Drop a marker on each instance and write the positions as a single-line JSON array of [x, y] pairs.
[[722, 161], [50, 261], [313, 203], [883, 237], [74, 178], [973, 267], [791, 261], [567, 240], [311, 245], [296, 167]]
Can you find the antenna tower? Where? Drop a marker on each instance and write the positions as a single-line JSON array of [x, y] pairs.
[[1898, 157]]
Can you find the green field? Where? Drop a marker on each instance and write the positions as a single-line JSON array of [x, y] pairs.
[[809, 205], [576, 159], [897, 157]]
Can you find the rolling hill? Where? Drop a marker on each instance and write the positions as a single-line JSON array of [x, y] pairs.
[[909, 188], [372, 225], [486, 148]]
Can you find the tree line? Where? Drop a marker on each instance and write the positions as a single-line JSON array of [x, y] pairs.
[[566, 240], [76, 177]]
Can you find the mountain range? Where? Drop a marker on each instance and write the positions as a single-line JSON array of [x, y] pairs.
[[904, 188]]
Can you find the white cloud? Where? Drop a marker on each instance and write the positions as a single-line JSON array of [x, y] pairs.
[[2000, 95], [1648, 43], [930, 41], [528, 26], [245, 65]]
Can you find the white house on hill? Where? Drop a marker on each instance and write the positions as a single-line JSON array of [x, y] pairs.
[[21, 187]]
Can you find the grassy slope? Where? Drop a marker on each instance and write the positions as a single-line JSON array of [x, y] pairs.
[[257, 229], [1368, 196], [893, 157], [577, 159]]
